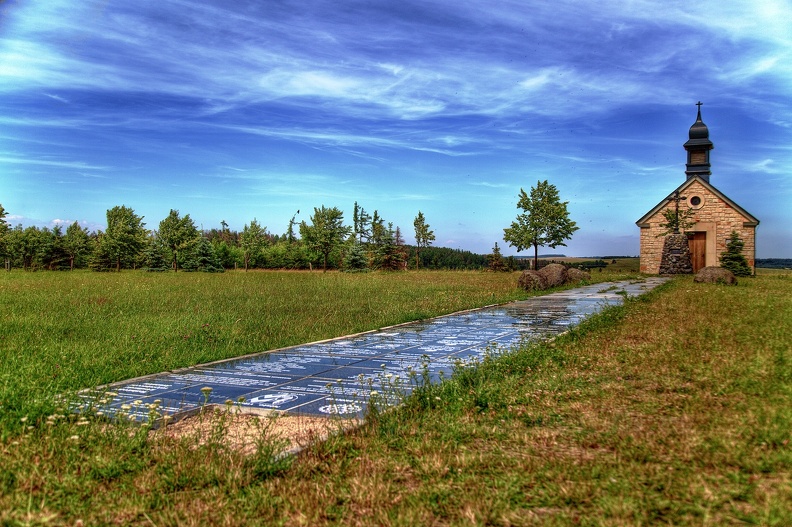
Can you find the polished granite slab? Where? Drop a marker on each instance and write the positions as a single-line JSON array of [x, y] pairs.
[[343, 376]]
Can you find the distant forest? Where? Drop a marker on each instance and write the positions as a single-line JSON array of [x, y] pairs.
[[774, 263], [178, 245]]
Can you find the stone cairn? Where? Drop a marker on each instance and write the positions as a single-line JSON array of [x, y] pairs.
[[676, 255]]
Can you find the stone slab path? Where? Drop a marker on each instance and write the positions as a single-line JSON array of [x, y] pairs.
[[343, 376]]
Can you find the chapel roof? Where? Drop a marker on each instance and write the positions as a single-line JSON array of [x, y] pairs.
[[750, 219]]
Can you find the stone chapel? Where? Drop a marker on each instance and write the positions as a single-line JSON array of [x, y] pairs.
[[714, 214]]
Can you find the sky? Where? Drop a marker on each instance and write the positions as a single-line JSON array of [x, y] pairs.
[[242, 110]]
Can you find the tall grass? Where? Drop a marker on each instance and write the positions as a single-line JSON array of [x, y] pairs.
[[673, 409]]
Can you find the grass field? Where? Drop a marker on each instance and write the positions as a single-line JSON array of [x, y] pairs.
[[66, 331], [673, 409]]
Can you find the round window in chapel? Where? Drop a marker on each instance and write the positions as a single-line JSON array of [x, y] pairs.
[[696, 202]]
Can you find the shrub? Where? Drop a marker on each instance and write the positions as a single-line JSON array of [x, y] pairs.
[[733, 258]]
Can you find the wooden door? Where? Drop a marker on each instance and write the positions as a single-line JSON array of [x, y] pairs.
[[698, 250]]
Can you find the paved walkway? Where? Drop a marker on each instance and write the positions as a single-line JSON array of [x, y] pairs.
[[342, 376]]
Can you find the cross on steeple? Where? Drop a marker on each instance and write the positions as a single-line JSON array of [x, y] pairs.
[[698, 148]]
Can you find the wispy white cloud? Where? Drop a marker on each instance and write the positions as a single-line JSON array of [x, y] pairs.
[[766, 166], [489, 184], [50, 162], [57, 98], [340, 138]]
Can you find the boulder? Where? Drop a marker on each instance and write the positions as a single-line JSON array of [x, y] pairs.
[[574, 275], [532, 281], [715, 275], [554, 274]]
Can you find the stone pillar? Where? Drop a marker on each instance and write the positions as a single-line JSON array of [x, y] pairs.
[[676, 255]]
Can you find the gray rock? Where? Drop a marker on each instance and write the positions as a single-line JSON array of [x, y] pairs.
[[554, 274], [715, 275], [532, 281]]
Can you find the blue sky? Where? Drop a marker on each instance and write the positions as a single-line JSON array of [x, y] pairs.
[[256, 109]]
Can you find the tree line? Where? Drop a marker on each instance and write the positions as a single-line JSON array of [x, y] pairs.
[[178, 245], [774, 263], [368, 244]]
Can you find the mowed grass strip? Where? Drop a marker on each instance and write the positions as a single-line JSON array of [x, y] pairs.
[[674, 409]]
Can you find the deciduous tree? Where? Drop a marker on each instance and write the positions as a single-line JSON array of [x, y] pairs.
[[3, 222], [252, 240], [75, 243], [4, 228], [423, 236], [25, 244], [125, 237], [326, 232], [177, 233], [17, 247], [543, 222], [50, 251], [676, 221]]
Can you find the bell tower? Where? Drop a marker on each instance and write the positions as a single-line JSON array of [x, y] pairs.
[[698, 147]]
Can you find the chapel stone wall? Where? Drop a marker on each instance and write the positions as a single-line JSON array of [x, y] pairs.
[[713, 215]]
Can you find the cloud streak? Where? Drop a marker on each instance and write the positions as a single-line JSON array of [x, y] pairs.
[[50, 163]]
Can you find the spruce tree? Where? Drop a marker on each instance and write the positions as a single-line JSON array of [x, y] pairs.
[[495, 260], [355, 260], [387, 255], [202, 257], [733, 258], [154, 257]]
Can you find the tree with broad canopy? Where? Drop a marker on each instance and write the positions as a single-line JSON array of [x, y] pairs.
[[125, 236], [326, 232], [177, 233], [543, 222]]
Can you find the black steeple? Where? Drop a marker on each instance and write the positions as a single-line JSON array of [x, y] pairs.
[[698, 147]]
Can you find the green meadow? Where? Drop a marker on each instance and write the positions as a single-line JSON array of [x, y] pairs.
[[675, 408], [64, 331]]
